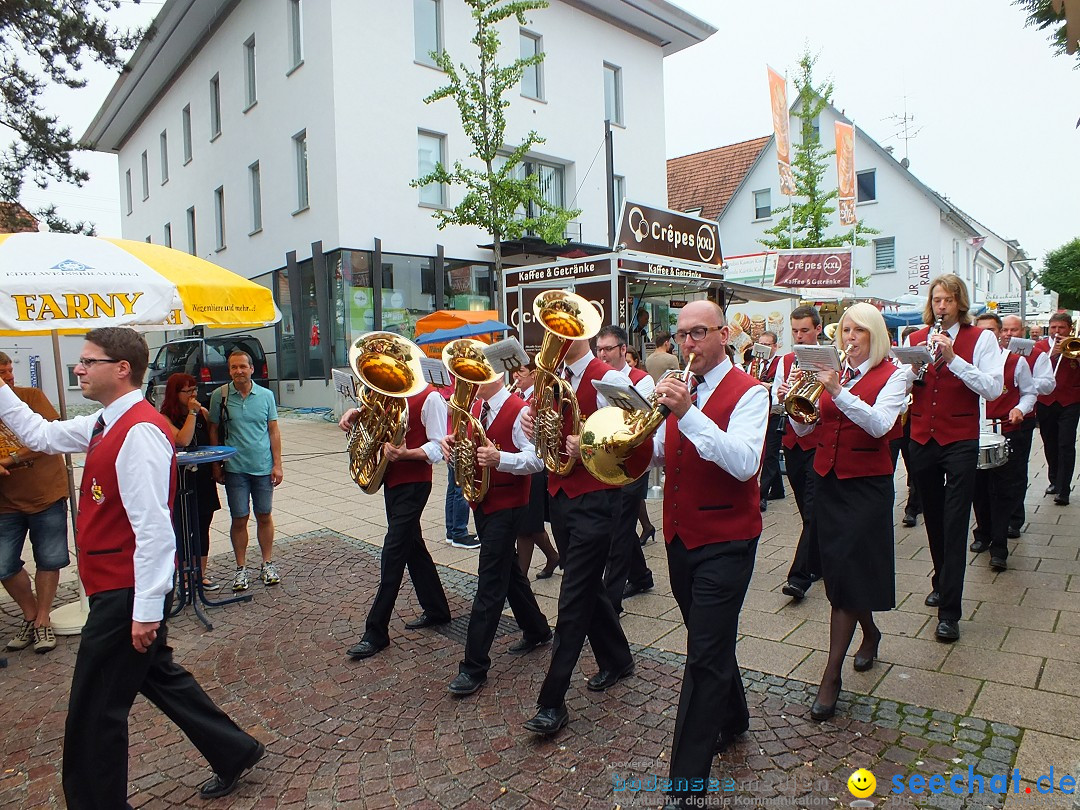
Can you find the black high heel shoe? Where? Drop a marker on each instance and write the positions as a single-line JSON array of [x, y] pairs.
[[548, 569], [824, 711], [647, 536], [862, 663]]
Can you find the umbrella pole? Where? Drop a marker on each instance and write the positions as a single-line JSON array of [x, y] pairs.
[[68, 620]]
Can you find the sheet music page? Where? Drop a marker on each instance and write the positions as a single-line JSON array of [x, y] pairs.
[[435, 372], [622, 395], [506, 355], [912, 355], [1021, 346], [818, 358]]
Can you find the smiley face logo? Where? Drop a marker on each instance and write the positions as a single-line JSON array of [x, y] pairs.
[[862, 784]]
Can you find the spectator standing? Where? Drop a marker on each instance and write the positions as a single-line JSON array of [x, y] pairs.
[[661, 360]]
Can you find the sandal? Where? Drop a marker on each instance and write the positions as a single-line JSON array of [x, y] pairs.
[[209, 584]]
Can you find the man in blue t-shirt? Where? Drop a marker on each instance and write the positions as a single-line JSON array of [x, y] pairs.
[[244, 416]]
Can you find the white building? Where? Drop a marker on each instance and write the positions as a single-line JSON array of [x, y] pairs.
[[279, 137]]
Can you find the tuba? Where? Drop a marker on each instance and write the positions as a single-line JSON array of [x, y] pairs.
[[565, 317], [801, 400], [470, 368], [611, 437], [388, 367]]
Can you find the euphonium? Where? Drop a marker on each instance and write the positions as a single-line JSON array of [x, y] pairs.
[[565, 317], [466, 361], [388, 367], [801, 400], [610, 437], [934, 350]]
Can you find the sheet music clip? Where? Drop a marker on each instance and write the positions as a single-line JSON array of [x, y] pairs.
[[435, 372], [622, 395]]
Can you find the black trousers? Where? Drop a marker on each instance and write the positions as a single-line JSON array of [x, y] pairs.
[[997, 492], [499, 580], [772, 483], [709, 584], [109, 673], [1019, 513], [626, 562], [585, 525], [946, 478], [404, 548], [914, 502], [1057, 424], [806, 566]]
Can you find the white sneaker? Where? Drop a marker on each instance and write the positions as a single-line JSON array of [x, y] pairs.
[[44, 639], [23, 638], [268, 574], [240, 581]]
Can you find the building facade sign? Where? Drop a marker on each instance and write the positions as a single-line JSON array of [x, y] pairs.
[[669, 233], [814, 267]]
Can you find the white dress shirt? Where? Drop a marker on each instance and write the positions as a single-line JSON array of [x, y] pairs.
[[645, 386], [1043, 374], [986, 374], [143, 472], [736, 450], [1025, 382], [878, 419], [527, 393], [434, 415], [524, 461], [577, 369]]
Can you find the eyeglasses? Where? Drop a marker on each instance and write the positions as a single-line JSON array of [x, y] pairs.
[[611, 348], [188, 390], [90, 362], [698, 333]]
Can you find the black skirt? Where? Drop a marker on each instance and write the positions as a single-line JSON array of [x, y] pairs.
[[855, 535], [535, 515]]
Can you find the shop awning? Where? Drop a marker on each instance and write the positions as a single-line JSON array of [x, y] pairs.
[[453, 318]]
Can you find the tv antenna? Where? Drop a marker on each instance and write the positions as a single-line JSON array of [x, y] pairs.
[[905, 130]]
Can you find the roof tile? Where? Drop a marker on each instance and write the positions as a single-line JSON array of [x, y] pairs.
[[708, 179]]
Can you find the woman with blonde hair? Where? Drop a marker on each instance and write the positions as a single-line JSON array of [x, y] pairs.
[[853, 491]]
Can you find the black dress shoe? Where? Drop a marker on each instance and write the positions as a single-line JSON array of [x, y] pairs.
[[908, 519], [547, 571], [728, 738], [978, 546], [764, 504], [607, 678], [1012, 533], [548, 721], [1062, 500], [933, 599], [1052, 489], [424, 620], [822, 711], [364, 649], [465, 684], [634, 588], [794, 591], [525, 645], [647, 536], [217, 786], [947, 631], [777, 495], [998, 564]]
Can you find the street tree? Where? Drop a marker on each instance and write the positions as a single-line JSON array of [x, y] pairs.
[[43, 43], [1061, 273], [501, 198]]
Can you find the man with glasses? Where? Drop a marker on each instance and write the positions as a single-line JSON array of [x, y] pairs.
[[127, 550], [627, 573], [710, 447]]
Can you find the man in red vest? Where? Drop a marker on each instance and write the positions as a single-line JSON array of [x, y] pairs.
[[944, 446], [711, 447], [127, 551], [1059, 412], [584, 514], [406, 487], [511, 460]]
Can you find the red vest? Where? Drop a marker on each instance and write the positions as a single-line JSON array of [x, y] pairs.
[[843, 446], [106, 539], [636, 375], [507, 490], [1000, 407], [579, 481], [1067, 391], [791, 439], [412, 472], [944, 409], [702, 502]]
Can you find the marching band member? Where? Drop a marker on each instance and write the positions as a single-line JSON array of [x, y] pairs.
[[511, 458], [914, 504], [531, 531], [406, 487], [710, 446], [1058, 412], [945, 436], [998, 489], [772, 485], [627, 573], [853, 491]]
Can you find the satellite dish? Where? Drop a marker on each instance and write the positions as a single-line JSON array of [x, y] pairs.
[[905, 163]]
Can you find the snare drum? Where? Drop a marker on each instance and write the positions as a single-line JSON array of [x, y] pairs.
[[993, 451]]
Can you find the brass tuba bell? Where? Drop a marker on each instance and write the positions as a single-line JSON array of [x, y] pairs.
[[388, 367], [467, 362], [801, 400]]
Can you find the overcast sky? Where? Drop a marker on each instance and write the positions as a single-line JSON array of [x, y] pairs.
[[995, 110]]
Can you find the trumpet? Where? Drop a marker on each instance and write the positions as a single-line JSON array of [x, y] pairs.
[[1070, 348], [802, 398], [470, 367], [565, 317], [936, 329], [610, 437]]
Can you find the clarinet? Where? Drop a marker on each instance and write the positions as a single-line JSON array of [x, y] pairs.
[[936, 329]]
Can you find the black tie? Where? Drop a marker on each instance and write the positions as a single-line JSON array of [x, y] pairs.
[[485, 416], [848, 375], [568, 375], [95, 434]]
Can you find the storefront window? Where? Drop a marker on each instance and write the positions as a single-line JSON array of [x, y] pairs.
[[408, 292], [468, 286]]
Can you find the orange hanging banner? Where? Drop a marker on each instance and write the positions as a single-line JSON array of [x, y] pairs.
[[781, 129], [845, 171]]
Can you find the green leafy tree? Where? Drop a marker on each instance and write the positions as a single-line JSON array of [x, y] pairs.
[[1044, 14], [498, 198], [1061, 273], [42, 43], [806, 221]]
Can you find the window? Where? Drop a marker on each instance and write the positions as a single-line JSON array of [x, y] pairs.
[[815, 128], [620, 192], [866, 185], [215, 107], [219, 217], [427, 29], [186, 119], [763, 203], [192, 245], [148, 240], [127, 189], [429, 153], [144, 164], [255, 182], [163, 141], [532, 80], [885, 255], [550, 178], [168, 235], [250, 94], [296, 35], [613, 111], [300, 147]]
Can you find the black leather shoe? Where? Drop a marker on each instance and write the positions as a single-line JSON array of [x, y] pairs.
[[218, 786], [1062, 500], [1012, 534], [999, 564], [607, 678], [634, 588], [528, 645], [822, 711], [777, 495], [794, 591], [548, 721], [548, 570], [465, 684], [364, 649], [1052, 489], [933, 599], [728, 739], [424, 620], [908, 519], [947, 631], [978, 546], [764, 504]]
